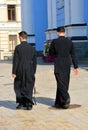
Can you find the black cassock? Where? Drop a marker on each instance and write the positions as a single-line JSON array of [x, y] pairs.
[[63, 51], [24, 66]]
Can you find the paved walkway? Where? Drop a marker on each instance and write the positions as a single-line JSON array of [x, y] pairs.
[[43, 116]]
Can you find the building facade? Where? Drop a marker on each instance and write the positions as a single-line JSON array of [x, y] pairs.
[[34, 21], [40, 20], [10, 26], [72, 14]]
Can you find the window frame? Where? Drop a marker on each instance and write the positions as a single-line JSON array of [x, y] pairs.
[[12, 42], [11, 11]]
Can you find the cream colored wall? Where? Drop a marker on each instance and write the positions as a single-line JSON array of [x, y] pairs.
[[4, 39], [8, 28], [3, 13]]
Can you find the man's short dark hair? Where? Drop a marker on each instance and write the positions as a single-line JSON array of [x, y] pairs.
[[60, 29], [23, 34]]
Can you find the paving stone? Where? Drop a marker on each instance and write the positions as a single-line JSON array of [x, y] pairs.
[[43, 116]]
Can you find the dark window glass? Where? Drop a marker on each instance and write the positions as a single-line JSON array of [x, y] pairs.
[[11, 12]]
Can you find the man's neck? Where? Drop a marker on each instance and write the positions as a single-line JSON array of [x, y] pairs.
[[23, 40]]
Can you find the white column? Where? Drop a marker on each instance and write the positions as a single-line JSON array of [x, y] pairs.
[[77, 11], [74, 11], [53, 14], [67, 12], [27, 18], [49, 11]]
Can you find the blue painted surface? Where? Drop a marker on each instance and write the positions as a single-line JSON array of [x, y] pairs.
[[40, 22], [86, 10], [86, 13], [60, 14]]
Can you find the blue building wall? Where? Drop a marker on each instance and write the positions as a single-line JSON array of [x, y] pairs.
[[60, 13], [86, 13], [40, 22], [73, 15]]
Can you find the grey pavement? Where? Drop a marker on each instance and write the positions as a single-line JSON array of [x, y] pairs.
[[43, 116]]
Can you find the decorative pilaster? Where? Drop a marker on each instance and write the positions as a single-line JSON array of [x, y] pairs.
[[51, 9], [77, 11], [27, 19]]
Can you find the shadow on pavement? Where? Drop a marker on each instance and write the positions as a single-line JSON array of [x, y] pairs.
[[8, 104], [72, 106], [50, 102], [44, 100]]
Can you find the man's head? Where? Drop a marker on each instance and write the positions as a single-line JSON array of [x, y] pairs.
[[23, 36], [61, 31]]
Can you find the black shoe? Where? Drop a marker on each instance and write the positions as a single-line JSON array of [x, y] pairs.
[[57, 106], [29, 107], [24, 105], [20, 106], [66, 104]]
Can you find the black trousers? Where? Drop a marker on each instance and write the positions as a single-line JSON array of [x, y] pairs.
[[62, 94], [23, 91]]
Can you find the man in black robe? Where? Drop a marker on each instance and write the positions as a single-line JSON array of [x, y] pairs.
[[23, 72], [63, 51]]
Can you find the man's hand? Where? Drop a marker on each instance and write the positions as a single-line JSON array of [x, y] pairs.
[[14, 76], [76, 71]]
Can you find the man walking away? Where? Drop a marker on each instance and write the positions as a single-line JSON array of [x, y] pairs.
[[63, 51], [23, 72]]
